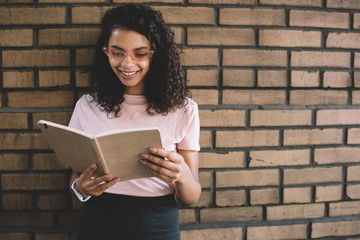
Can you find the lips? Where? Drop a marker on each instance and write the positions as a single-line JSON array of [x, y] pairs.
[[128, 74]]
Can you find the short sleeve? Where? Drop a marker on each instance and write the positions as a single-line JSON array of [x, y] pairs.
[[191, 137], [75, 121]]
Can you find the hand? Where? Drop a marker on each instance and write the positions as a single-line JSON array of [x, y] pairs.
[[91, 185], [166, 165]]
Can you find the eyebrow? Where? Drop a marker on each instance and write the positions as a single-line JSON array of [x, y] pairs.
[[139, 48]]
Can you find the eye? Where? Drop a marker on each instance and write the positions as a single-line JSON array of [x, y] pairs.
[[118, 54], [141, 55]]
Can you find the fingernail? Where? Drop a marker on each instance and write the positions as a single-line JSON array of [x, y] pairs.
[[93, 165], [144, 155], [108, 177], [143, 161], [153, 150]]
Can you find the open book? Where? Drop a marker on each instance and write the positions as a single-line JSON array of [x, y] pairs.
[[114, 152]]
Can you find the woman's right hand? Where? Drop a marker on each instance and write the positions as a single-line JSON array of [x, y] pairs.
[[91, 185]]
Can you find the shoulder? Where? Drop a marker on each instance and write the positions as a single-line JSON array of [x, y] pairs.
[[191, 105]]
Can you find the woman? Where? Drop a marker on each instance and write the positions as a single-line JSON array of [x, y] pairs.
[[138, 82]]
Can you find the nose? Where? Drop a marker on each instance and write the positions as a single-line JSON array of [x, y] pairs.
[[127, 60]]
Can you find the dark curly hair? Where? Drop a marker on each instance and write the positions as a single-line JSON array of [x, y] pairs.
[[165, 84]]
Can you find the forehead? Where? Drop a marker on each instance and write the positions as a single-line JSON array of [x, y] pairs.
[[128, 39]]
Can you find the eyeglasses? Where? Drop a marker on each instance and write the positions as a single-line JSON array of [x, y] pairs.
[[138, 55]]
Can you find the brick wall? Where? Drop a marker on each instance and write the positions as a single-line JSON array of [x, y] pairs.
[[278, 84]]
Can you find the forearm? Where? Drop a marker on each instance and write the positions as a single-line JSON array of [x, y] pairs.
[[188, 191]]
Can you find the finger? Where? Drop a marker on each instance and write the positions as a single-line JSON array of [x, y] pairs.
[[90, 170], [106, 185], [161, 176], [158, 161], [168, 155], [104, 178]]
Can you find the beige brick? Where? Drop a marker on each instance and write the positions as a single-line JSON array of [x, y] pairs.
[[35, 58], [343, 40], [232, 214], [222, 118], [234, 233], [218, 160], [280, 117], [40, 99], [22, 141], [11, 162], [357, 60], [353, 191], [17, 201], [254, 97], [312, 136], [289, 38], [247, 178], [352, 4], [46, 161], [15, 236], [72, 1], [205, 96], [331, 229], [30, 15], [57, 117], [187, 15], [82, 78], [309, 3], [230, 198], [297, 195], [353, 173], [312, 175], [238, 78], [264, 196], [254, 57], [84, 57], [220, 36], [344, 208], [16, 37], [305, 78], [337, 79], [54, 78], [24, 79], [53, 202], [356, 21], [296, 231], [314, 210], [205, 139], [356, 79], [270, 158], [205, 179], [318, 97], [148, 1], [84, 15], [178, 31], [204, 200], [328, 193], [308, 18], [200, 56], [55, 236], [202, 77], [247, 138], [222, 1], [16, 181], [26, 219], [247, 16], [272, 78], [13, 121], [187, 216], [336, 155], [355, 97], [68, 36], [320, 59], [338, 117]]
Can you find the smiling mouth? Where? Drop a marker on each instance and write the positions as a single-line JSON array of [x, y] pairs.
[[129, 74]]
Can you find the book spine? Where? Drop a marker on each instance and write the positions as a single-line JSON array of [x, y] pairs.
[[99, 155]]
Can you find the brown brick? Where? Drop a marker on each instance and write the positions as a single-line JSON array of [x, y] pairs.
[[12, 162], [204, 200], [254, 57], [337, 79], [356, 79], [336, 155], [68, 36], [308, 18], [318, 97], [353, 136], [57, 117], [230, 198], [54, 78], [338, 117], [17, 201], [187, 15], [312, 136], [234, 233], [296, 231], [202, 77], [331, 229], [84, 57], [320, 59], [270, 158], [272, 78], [238, 78], [148, 1], [55, 236], [15, 236], [289, 38], [353, 191], [312, 175], [222, 118], [280, 117], [328, 193], [309, 3], [205, 139], [343, 40], [29, 182], [36, 58], [82, 78], [254, 97], [29, 15], [83, 15], [344, 208], [72, 1], [257, 16], [24, 79], [218, 160], [40, 99], [13, 121], [205, 96], [205, 179], [355, 97], [264, 196], [297, 195], [178, 31], [356, 20], [314, 210], [357, 60], [247, 178], [16, 37], [69, 219], [22, 141], [305, 78], [232, 214], [26, 219], [46, 161], [220, 36], [200, 56], [187, 216], [222, 1], [53, 202], [352, 4], [353, 173], [247, 138]]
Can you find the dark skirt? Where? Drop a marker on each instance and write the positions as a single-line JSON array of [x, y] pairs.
[[115, 217]]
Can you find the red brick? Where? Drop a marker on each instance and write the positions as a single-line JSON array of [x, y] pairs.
[[230, 198], [187, 15], [54, 78], [320, 59], [328, 193], [254, 57], [17, 201], [202, 77], [30, 15], [11, 162], [344, 208], [312, 175], [314, 210], [22, 141], [353, 173], [254, 97], [26, 219], [296, 231], [238, 78], [351, 4], [305, 78], [247, 138], [222, 118], [232, 214], [353, 191], [297, 195], [331, 229], [35, 58], [336, 155], [308, 18], [40, 99], [205, 96], [24, 79], [272, 78], [337, 79], [234, 233], [270, 158], [16, 37], [338, 117], [246, 16], [312, 137], [13, 121], [289, 38], [343, 40], [318, 97], [280, 117], [247, 178], [52, 181], [218, 160], [68, 36], [200, 56], [264, 196]]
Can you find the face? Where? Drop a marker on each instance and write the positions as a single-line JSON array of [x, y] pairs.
[[132, 67]]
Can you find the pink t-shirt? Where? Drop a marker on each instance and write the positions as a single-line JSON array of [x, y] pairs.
[[179, 130]]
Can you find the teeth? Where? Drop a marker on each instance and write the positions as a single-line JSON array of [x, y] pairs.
[[128, 73]]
